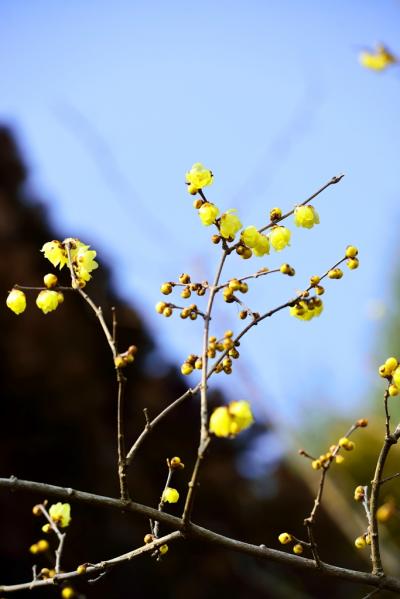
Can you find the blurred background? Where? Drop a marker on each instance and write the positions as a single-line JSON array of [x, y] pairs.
[[103, 109]]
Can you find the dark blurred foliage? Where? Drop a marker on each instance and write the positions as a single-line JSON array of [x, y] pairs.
[[58, 397]]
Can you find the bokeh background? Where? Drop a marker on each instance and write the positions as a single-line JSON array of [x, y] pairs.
[[109, 104]]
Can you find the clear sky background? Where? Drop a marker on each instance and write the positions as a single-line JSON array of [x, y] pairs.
[[114, 101]]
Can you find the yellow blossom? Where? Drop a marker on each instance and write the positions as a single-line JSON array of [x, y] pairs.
[[305, 216], [307, 309], [170, 495], [262, 246], [84, 258], [377, 60], [16, 301], [228, 421], [60, 513], [230, 224], [208, 213], [47, 300], [199, 176], [279, 238], [396, 376], [55, 252], [50, 280], [250, 236]]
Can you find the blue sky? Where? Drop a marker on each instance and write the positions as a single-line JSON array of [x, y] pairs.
[[113, 102]]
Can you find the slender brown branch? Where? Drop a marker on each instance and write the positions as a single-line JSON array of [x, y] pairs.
[[156, 525], [60, 536], [187, 512], [196, 532], [390, 439], [333, 181], [122, 464], [388, 478]]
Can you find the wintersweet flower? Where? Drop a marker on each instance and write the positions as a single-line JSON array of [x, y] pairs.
[[396, 376], [170, 495], [55, 252], [199, 176], [47, 300], [16, 301], [305, 216], [228, 421], [250, 236], [279, 238], [262, 246], [208, 213], [60, 513], [230, 224], [379, 60], [85, 260], [307, 309]]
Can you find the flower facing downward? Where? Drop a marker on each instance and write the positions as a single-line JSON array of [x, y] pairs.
[[208, 213], [60, 513], [229, 421], [230, 224], [279, 238], [170, 495], [16, 301], [47, 300], [305, 216], [198, 177]]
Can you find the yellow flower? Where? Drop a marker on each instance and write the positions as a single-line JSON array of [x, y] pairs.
[[199, 176], [228, 421], [377, 60], [262, 245], [305, 216], [208, 213], [16, 301], [55, 252], [360, 542], [230, 224], [60, 513], [85, 261], [396, 376], [67, 593], [279, 238], [170, 495], [47, 300], [307, 309]]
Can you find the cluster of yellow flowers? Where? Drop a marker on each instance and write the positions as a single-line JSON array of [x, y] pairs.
[[82, 258], [230, 420], [285, 538], [390, 370], [379, 59], [252, 241], [48, 299]]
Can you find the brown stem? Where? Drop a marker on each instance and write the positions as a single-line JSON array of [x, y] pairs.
[[122, 463], [190, 530], [187, 512]]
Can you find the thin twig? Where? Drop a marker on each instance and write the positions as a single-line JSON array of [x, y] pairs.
[[60, 537], [156, 526], [193, 531]]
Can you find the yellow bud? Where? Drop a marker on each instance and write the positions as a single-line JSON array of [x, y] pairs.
[[184, 278], [316, 464], [37, 510], [391, 365], [244, 287], [167, 312], [243, 314], [163, 549], [335, 273], [67, 593], [186, 368], [360, 542], [298, 549], [275, 214], [362, 422], [359, 493], [119, 362], [197, 203], [339, 459], [34, 549], [314, 280], [176, 463], [319, 290], [50, 280], [160, 307], [192, 189], [186, 293], [234, 284], [46, 528], [351, 251], [393, 390], [81, 569], [353, 263], [166, 288], [149, 538], [42, 545]]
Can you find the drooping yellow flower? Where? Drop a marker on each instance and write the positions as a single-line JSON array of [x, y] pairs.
[[307, 309], [279, 238], [377, 60], [305, 216], [199, 176], [85, 262], [262, 246], [170, 495], [230, 224], [55, 252], [228, 421], [47, 300], [16, 301], [60, 513], [250, 236], [208, 213]]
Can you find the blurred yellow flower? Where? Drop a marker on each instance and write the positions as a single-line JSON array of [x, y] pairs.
[[377, 60], [60, 513], [228, 421], [16, 301]]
